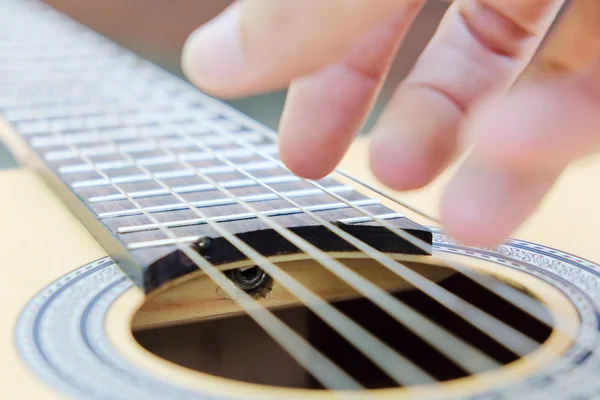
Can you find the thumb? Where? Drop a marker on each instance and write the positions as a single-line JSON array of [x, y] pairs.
[[262, 45]]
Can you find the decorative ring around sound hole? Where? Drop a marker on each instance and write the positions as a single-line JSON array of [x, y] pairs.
[[62, 338]]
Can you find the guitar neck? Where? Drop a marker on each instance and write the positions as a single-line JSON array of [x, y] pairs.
[[119, 139]]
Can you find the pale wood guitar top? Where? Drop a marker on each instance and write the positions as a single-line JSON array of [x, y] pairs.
[[43, 241]]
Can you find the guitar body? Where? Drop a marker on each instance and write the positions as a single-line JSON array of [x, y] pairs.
[[36, 265]]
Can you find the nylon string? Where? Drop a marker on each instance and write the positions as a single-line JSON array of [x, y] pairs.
[[402, 370], [439, 337], [312, 360]]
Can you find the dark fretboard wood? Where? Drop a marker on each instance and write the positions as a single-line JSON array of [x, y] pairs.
[[84, 107]]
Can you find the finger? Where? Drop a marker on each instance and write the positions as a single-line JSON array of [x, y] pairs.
[[325, 110], [480, 46], [521, 143], [261, 45], [483, 205], [540, 126]]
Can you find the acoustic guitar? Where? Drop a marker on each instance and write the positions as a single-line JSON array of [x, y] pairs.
[[155, 247]]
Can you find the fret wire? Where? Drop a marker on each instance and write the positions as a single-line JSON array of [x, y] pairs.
[[441, 339], [401, 369], [128, 108], [171, 174], [311, 359], [197, 188], [358, 220], [158, 160], [242, 216], [223, 201], [513, 296], [162, 242], [501, 332], [129, 147], [191, 239]]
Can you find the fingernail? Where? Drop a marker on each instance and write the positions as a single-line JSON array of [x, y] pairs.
[[213, 55]]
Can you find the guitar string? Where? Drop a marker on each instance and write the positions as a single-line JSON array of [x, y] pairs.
[[388, 196], [311, 359], [401, 369], [501, 332], [513, 296], [440, 338], [519, 299], [522, 301], [520, 347], [145, 170], [519, 344]]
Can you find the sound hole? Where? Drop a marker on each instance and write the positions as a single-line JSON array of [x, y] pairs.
[[237, 348]]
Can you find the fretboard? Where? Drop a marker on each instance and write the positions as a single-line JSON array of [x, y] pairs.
[[119, 138]]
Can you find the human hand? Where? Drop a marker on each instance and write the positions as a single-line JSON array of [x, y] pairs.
[[335, 55]]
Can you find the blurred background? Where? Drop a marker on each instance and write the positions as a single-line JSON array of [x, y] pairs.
[[157, 30]]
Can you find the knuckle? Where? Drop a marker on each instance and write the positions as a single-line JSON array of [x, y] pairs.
[[495, 31]]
